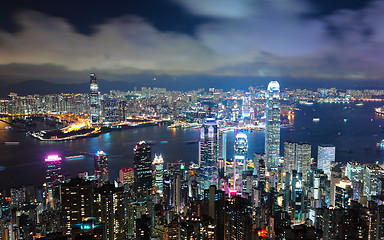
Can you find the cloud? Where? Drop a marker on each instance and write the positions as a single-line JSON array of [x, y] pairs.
[[241, 38]]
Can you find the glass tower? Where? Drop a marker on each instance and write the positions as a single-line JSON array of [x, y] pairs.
[[325, 155], [208, 147], [158, 164], [94, 100], [272, 136], [143, 169]]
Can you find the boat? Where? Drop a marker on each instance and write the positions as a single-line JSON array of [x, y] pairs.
[[359, 104], [76, 157], [2, 168], [12, 143], [316, 120], [163, 142], [192, 141]]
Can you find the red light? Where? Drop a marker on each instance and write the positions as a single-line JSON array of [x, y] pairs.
[[262, 233]]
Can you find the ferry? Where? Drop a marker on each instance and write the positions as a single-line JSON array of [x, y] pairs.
[[380, 145], [379, 110], [316, 120], [76, 157]]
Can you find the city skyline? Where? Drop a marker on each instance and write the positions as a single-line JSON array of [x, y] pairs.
[[192, 119]]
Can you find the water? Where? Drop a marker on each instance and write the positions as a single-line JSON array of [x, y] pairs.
[[355, 139]]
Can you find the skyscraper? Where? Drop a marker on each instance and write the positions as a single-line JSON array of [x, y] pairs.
[[158, 164], [101, 166], [290, 156], [126, 176], [303, 158], [241, 151], [208, 153], [246, 108], [76, 204], [143, 169], [297, 156], [53, 170], [94, 100], [53, 178], [325, 155], [272, 136]]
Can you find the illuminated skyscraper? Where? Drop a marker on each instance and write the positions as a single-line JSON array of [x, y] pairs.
[[53, 170], [246, 109], [158, 164], [76, 204], [303, 158], [101, 166], [297, 156], [272, 136], [326, 155], [241, 151], [143, 169], [208, 154], [53, 178], [94, 100], [290, 156], [126, 176]]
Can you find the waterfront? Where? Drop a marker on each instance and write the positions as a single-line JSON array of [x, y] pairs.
[[355, 138]]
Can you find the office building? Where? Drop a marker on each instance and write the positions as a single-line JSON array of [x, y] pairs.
[[272, 123], [208, 153], [143, 169], [94, 100], [101, 166], [325, 156], [127, 176], [158, 166]]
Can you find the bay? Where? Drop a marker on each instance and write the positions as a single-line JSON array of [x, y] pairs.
[[354, 130]]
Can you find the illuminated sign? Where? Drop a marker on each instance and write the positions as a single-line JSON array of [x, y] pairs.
[[53, 158]]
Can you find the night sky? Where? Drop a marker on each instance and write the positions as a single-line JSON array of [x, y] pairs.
[[63, 41]]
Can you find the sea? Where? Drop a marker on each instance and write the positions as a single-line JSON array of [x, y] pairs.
[[354, 129]]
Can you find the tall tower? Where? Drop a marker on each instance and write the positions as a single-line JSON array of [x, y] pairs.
[[290, 156], [143, 169], [94, 100], [241, 151], [53, 178], [272, 136], [208, 153], [101, 166], [158, 164], [246, 109], [303, 158], [326, 155]]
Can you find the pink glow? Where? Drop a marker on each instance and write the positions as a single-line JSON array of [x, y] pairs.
[[53, 158]]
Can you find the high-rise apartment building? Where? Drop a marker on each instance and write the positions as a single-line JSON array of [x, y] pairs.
[[272, 130]]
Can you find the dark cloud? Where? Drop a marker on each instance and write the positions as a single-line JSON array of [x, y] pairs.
[[244, 38]]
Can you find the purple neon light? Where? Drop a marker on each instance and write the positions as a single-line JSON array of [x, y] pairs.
[[53, 158]]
